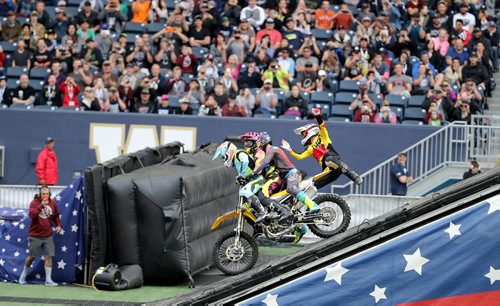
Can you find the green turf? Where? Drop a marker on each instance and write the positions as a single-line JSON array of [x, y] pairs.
[[143, 294], [279, 251]]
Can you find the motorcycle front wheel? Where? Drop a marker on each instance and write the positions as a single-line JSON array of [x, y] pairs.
[[234, 258], [336, 215]]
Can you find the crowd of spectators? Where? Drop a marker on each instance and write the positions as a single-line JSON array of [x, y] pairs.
[[250, 58]]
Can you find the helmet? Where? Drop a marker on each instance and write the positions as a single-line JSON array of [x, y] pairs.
[[226, 151], [307, 131], [250, 139], [264, 139]]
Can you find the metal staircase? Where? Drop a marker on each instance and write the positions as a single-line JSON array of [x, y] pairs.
[[436, 158]]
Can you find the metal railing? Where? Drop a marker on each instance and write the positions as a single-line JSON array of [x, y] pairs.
[[454, 144], [20, 196]]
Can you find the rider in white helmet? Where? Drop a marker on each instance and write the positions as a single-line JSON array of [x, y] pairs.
[[319, 145]]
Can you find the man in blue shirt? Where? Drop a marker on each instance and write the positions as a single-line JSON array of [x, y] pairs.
[[400, 176]]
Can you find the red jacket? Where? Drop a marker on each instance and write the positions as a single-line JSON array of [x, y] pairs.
[[66, 97], [43, 218], [46, 167]]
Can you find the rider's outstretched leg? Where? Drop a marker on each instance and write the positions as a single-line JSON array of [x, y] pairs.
[[300, 232], [335, 163]]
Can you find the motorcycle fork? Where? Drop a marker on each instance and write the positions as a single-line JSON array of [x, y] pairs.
[[239, 226]]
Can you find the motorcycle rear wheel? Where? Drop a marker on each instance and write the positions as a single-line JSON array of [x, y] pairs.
[[337, 205], [234, 259]]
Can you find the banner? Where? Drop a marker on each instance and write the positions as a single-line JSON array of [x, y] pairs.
[[452, 261], [70, 243]]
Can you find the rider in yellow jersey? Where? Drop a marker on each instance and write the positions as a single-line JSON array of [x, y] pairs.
[[319, 145]]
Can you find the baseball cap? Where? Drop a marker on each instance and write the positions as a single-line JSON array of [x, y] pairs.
[[11, 13], [112, 88], [164, 97], [34, 13], [269, 20], [289, 19], [341, 27], [365, 5], [198, 17], [243, 20], [322, 73], [145, 91], [49, 140], [268, 81], [477, 29], [367, 18], [61, 3], [492, 24], [2, 77], [473, 54], [464, 5], [104, 26]]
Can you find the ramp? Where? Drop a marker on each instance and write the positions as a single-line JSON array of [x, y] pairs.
[[314, 257]]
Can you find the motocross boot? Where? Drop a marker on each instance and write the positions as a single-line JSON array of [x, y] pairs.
[[351, 174], [284, 214], [300, 232], [259, 210], [311, 205]]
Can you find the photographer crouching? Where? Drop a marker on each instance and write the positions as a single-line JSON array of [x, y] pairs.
[[43, 213]]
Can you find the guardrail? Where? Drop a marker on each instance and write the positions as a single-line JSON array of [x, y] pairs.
[[455, 143], [20, 196]]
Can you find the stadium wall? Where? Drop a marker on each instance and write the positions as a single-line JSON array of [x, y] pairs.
[[84, 139]]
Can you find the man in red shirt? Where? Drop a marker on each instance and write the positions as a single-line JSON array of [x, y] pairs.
[[44, 214], [46, 164], [274, 34]]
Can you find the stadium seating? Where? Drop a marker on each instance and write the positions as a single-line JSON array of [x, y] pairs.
[[396, 100], [349, 85], [73, 3], [339, 119], [322, 97], [377, 99], [321, 34], [344, 97], [414, 113], [46, 107], [399, 113], [416, 101], [36, 84], [8, 47], [16, 72], [412, 122], [134, 28], [340, 110], [20, 106], [199, 52], [173, 101], [289, 117], [39, 73], [12, 82], [265, 116]]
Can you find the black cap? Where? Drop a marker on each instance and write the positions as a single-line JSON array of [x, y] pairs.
[[269, 20], [2, 77], [473, 54], [49, 140], [341, 27], [198, 17]]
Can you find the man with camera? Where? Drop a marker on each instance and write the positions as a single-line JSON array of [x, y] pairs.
[[44, 214]]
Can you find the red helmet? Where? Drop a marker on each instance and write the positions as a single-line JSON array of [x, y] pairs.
[[250, 140]]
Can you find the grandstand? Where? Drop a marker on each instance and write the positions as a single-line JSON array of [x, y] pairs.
[[388, 76]]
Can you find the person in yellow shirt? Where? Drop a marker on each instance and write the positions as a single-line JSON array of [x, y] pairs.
[[140, 11], [319, 145]]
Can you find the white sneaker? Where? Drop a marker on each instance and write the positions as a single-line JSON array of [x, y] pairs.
[[50, 283], [22, 280]]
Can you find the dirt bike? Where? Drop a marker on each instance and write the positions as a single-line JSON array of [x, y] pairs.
[[237, 251]]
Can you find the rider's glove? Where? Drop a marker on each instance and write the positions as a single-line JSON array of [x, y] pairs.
[[241, 180], [285, 145], [316, 111]]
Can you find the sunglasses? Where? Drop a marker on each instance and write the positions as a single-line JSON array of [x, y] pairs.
[[464, 106]]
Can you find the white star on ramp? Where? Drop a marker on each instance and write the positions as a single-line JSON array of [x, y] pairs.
[[64, 248], [270, 300], [2, 262], [16, 254], [415, 262], [453, 230], [78, 195], [62, 231], [75, 212], [379, 294], [494, 204], [58, 198], [21, 226], [61, 264], [38, 276], [336, 272], [74, 228], [494, 275], [7, 238]]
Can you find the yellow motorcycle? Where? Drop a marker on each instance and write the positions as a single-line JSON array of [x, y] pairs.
[[237, 251]]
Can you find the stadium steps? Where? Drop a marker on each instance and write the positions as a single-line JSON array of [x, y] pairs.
[[430, 182], [494, 101]]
